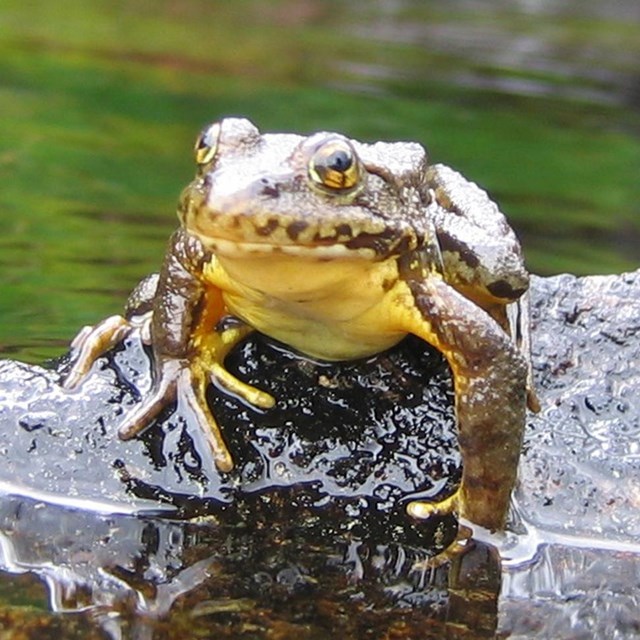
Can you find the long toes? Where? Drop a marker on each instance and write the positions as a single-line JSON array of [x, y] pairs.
[[192, 392], [162, 394], [246, 392], [90, 344]]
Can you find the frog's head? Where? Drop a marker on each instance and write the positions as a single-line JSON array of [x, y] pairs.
[[322, 196]]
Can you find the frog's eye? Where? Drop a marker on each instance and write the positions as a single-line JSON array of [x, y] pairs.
[[207, 144], [334, 165]]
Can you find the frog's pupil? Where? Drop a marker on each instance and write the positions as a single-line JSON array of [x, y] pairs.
[[339, 161]]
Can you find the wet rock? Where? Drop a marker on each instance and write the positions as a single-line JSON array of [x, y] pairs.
[[341, 453], [580, 471], [575, 566]]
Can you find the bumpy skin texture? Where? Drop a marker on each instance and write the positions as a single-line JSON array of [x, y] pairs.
[[338, 249]]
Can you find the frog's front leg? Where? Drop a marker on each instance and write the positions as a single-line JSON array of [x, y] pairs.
[[185, 381], [490, 394], [189, 345]]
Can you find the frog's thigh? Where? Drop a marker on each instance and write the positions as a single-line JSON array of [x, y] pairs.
[[490, 383]]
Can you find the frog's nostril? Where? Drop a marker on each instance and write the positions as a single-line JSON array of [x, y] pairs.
[[269, 188]]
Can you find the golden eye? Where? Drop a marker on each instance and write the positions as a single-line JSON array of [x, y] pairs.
[[207, 144], [334, 165]]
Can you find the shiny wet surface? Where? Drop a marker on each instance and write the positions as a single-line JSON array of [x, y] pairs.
[[307, 536]]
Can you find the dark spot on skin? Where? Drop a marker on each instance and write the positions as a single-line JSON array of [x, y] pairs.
[[503, 289], [322, 240], [387, 285], [445, 201], [448, 244], [454, 208], [344, 230], [382, 243], [403, 246], [269, 228], [296, 228]]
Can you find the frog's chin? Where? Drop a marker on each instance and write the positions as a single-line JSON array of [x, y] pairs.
[[240, 248]]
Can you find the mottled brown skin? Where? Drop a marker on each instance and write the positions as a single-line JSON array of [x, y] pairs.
[[338, 249]]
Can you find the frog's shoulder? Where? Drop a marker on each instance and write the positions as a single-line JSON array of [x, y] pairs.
[[465, 199], [478, 245]]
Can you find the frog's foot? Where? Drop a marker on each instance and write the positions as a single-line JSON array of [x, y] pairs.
[[209, 367], [452, 504], [186, 381], [216, 346], [93, 342]]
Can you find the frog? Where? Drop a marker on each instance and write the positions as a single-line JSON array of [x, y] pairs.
[[338, 249]]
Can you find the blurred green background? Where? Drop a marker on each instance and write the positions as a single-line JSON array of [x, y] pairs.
[[101, 100]]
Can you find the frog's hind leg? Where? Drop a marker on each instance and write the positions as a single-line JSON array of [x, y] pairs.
[[490, 388]]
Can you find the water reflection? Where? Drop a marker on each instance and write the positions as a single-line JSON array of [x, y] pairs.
[[531, 47], [143, 578], [534, 100]]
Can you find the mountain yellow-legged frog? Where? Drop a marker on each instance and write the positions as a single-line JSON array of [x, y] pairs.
[[338, 249]]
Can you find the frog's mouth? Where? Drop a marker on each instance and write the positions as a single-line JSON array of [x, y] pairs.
[[237, 226], [370, 248], [240, 234]]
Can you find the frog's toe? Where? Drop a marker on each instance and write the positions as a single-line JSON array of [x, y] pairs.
[[423, 510], [192, 385], [90, 344], [214, 348], [163, 392], [246, 392]]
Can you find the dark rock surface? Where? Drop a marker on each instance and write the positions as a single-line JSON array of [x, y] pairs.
[[308, 534], [348, 443]]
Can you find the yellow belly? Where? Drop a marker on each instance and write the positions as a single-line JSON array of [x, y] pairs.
[[332, 310]]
